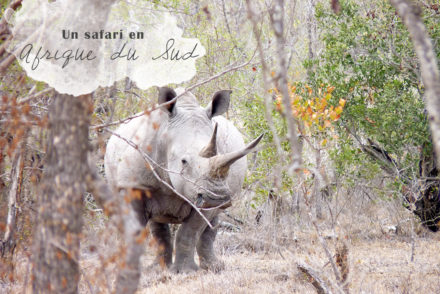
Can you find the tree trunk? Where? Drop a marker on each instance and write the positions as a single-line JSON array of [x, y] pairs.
[[410, 14], [57, 238]]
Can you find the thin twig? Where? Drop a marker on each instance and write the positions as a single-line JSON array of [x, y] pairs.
[[277, 21], [33, 96]]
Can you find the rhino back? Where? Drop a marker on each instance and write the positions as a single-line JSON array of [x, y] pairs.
[[124, 166]]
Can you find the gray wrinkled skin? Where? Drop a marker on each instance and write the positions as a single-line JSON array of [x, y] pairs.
[[174, 138]]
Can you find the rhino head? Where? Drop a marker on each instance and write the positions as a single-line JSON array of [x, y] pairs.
[[196, 167]]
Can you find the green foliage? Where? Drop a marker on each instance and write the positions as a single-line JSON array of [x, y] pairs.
[[254, 121], [367, 56]]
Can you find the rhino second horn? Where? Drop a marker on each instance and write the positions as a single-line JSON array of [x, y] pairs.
[[220, 164], [210, 150]]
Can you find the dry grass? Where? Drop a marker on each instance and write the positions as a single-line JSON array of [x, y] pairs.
[[263, 258], [376, 266]]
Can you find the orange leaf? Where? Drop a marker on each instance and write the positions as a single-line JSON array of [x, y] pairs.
[[369, 120], [330, 89]]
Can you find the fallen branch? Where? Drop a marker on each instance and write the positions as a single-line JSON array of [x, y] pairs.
[[313, 277]]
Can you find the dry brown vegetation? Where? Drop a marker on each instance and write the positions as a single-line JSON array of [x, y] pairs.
[[263, 258], [342, 217]]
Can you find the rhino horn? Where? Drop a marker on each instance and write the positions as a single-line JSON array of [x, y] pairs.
[[210, 150], [220, 164]]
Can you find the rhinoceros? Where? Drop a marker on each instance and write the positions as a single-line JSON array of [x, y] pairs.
[[201, 155]]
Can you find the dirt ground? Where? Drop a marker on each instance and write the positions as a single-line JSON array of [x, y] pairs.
[[256, 262], [375, 266]]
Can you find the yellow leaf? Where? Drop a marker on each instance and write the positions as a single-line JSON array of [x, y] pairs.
[[342, 102], [324, 142], [323, 104], [338, 109]]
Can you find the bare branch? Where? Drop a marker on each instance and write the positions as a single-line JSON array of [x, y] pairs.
[[277, 20], [36, 95], [268, 104]]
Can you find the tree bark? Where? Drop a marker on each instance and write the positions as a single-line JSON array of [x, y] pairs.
[[410, 14], [59, 221], [7, 245], [57, 238]]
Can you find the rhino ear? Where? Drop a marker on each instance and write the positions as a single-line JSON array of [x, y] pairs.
[[219, 103], [167, 94]]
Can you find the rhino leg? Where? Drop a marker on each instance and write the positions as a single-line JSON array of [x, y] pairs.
[[161, 233], [205, 249], [185, 243]]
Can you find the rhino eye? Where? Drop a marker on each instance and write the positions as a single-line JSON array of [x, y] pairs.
[[184, 161]]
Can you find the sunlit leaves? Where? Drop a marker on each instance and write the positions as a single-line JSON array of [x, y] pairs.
[[313, 107]]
